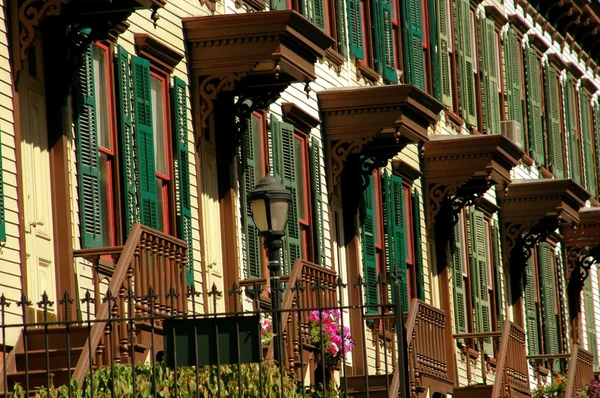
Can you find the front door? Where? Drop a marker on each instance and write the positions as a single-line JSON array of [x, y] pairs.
[[39, 243]]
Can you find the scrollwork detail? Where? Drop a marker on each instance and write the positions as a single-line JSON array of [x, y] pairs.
[[340, 152], [31, 12]]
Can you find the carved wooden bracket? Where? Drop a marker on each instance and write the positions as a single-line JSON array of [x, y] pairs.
[[459, 169], [211, 87], [342, 150], [31, 13]]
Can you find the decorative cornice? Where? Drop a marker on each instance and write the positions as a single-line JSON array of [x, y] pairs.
[[575, 70], [531, 210], [149, 47], [387, 118], [298, 117], [537, 42], [519, 23], [405, 170], [461, 168], [251, 53], [496, 14]]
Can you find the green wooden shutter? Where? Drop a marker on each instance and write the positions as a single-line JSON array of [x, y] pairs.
[[278, 4], [387, 61], [498, 288], [548, 299], [285, 167], [253, 268], [145, 142], [182, 167], [487, 37], [460, 316], [443, 86], [396, 239], [127, 141], [416, 215], [571, 123], [597, 137], [87, 155], [369, 255], [586, 136], [555, 139], [513, 79], [533, 339], [342, 34], [357, 47], [534, 105], [590, 319], [464, 24], [314, 11], [412, 21], [2, 210], [479, 276], [318, 205]]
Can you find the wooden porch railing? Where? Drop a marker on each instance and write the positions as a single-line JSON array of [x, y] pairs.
[[295, 326], [511, 361], [426, 349], [150, 261], [577, 376]]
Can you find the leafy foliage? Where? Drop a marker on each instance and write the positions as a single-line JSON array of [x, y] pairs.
[[556, 389], [161, 380]]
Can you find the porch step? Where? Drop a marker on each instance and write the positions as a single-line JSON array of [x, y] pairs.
[[377, 386], [474, 391], [37, 378], [58, 358], [57, 337]]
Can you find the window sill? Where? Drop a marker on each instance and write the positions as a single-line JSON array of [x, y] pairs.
[[335, 59], [527, 160], [366, 72], [454, 119], [254, 5], [544, 172]]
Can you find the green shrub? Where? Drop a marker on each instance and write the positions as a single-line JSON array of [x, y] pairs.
[[119, 378]]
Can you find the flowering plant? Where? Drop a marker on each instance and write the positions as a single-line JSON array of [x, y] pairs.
[[556, 389], [593, 390], [325, 332], [266, 331]]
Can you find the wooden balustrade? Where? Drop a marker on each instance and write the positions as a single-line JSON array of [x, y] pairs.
[[578, 376], [509, 350], [308, 286], [149, 279], [426, 350]]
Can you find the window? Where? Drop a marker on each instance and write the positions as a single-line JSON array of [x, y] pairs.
[[590, 319], [304, 217], [572, 122], [554, 121], [388, 239], [373, 32], [542, 305], [106, 144], [491, 75], [535, 110], [162, 151], [464, 35], [414, 36], [445, 87], [476, 276], [515, 80], [149, 158]]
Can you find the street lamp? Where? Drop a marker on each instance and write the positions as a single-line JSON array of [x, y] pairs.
[[269, 202]]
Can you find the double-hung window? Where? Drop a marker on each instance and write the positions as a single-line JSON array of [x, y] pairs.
[[587, 140], [571, 106], [535, 108], [476, 276], [140, 133], [388, 241], [105, 135], [542, 303], [515, 80], [162, 140], [554, 121]]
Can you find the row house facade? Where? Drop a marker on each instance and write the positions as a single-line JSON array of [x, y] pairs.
[[451, 145]]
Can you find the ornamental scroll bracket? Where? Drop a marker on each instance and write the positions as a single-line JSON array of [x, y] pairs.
[[370, 163], [248, 103], [211, 87], [580, 259], [446, 200], [520, 239], [340, 152], [31, 13]]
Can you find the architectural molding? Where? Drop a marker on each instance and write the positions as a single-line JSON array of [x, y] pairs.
[[532, 210], [458, 169], [301, 119], [251, 53], [374, 122], [158, 52]]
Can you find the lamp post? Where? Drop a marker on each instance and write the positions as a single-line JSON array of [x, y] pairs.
[[269, 202]]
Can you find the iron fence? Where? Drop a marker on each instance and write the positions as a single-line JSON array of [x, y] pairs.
[[146, 348]]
